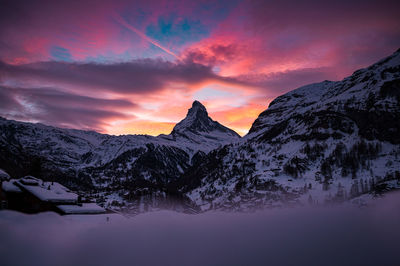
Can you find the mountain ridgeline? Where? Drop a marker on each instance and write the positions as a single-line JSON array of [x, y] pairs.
[[323, 143], [119, 171]]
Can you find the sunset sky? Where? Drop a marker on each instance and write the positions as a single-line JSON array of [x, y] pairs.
[[135, 67]]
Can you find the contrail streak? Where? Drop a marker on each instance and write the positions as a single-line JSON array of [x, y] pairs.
[[120, 20]]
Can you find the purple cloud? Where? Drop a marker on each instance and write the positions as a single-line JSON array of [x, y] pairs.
[[59, 108], [140, 76]]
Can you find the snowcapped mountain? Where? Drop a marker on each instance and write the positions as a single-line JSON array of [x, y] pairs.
[[200, 130], [319, 144], [122, 164], [198, 122], [324, 142]]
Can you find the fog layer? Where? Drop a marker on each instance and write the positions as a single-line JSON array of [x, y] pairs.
[[299, 236]]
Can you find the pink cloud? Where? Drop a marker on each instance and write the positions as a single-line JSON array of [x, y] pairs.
[[265, 36]]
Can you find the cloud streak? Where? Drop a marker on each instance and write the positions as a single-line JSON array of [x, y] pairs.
[[60, 108], [120, 20]]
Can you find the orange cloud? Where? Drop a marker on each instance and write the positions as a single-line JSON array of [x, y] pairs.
[[240, 118], [140, 127]]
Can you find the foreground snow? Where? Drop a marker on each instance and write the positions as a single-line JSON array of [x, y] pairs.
[[299, 236]]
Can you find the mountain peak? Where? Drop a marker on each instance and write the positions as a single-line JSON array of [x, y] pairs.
[[196, 103], [197, 121], [197, 109]]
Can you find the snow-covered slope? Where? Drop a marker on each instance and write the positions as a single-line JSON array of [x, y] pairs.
[[369, 91], [324, 142]]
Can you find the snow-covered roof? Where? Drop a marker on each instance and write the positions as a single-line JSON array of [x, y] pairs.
[[30, 180], [86, 208], [8, 186], [3, 175], [48, 191]]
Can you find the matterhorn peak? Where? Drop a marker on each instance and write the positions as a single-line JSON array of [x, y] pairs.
[[197, 121], [196, 103], [197, 110]]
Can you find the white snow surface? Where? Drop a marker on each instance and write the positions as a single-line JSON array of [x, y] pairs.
[[85, 208], [8, 186], [50, 191]]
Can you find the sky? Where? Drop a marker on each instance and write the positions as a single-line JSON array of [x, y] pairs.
[[135, 67]]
